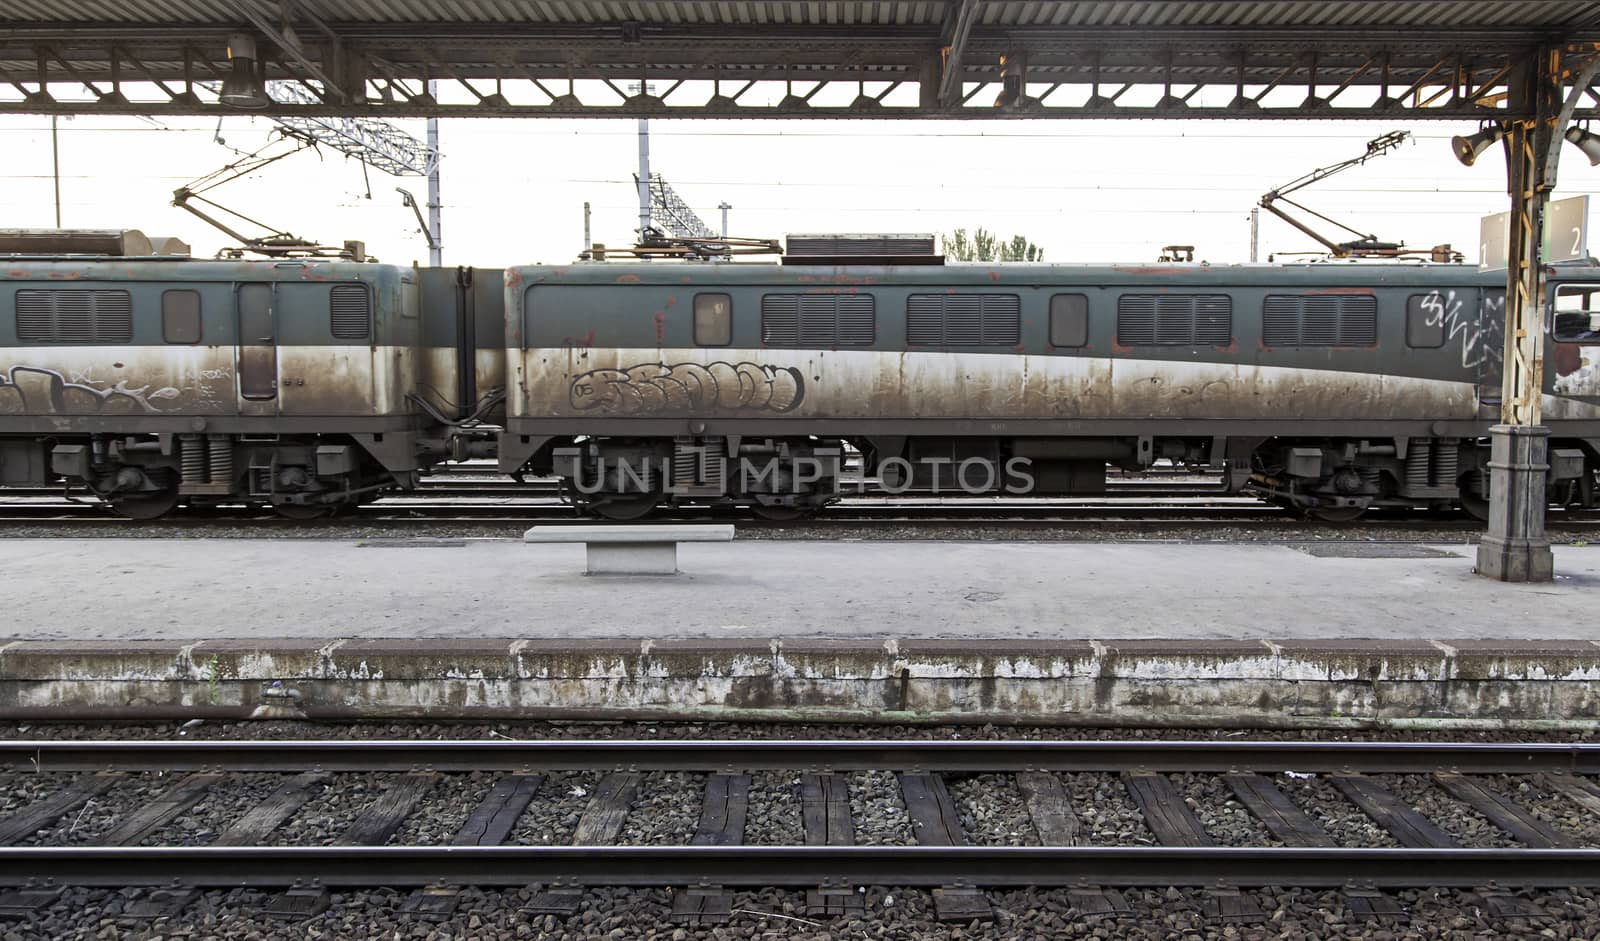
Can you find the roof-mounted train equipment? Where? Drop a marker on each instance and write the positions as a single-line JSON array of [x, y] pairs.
[[862, 248], [117, 243], [1365, 245], [277, 243], [658, 244], [848, 248]]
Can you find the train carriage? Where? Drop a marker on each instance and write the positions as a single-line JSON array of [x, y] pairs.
[[158, 379], [1330, 388]]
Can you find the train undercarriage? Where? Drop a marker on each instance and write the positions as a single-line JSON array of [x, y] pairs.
[[791, 478], [625, 478], [1339, 480], [148, 476], [1334, 480]]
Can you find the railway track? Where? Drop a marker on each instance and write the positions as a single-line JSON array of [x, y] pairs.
[[472, 496], [1541, 802], [865, 514], [465, 487]]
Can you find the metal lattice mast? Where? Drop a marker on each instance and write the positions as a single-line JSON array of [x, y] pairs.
[[672, 215], [379, 144]]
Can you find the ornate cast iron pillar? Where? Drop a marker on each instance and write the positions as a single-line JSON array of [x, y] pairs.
[[1516, 549]]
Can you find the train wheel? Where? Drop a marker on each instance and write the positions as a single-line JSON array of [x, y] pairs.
[[1472, 504], [147, 505], [782, 514], [622, 508], [1341, 514], [304, 512]]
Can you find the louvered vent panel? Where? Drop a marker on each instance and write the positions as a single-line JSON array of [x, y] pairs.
[[1320, 320], [350, 312], [1174, 320], [1358, 321], [818, 321], [1136, 319], [1002, 320], [1213, 319], [963, 320], [35, 316], [1280, 321], [925, 320], [858, 321], [780, 320], [74, 317]]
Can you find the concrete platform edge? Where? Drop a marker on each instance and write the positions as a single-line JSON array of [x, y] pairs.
[[1150, 683]]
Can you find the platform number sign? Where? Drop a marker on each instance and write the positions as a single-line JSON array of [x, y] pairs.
[[1566, 233]]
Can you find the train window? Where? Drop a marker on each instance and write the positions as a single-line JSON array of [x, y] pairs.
[[1174, 320], [1290, 320], [818, 321], [74, 316], [713, 320], [350, 312], [1425, 321], [1069, 320], [180, 316], [1577, 314], [963, 320]]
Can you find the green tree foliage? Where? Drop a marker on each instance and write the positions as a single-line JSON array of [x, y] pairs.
[[983, 245]]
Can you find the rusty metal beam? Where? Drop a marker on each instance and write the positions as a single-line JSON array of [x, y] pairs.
[[1230, 74], [959, 19]]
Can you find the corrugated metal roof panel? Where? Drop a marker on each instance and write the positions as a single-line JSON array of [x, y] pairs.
[[1526, 15]]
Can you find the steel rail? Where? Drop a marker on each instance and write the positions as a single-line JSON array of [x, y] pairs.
[[742, 755], [266, 867]]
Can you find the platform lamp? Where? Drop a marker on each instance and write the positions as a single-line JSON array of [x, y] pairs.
[[1586, 141], [1469, 147], [243, 87]]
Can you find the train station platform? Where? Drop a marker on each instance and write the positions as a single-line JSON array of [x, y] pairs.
[[1328, 633]]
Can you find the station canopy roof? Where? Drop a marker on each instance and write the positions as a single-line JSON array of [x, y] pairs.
[[854, 58]]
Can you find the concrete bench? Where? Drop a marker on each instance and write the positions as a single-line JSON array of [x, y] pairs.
[[631, 550]]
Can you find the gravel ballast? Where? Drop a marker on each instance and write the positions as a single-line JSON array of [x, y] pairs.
[[890, 913], [666, 812]]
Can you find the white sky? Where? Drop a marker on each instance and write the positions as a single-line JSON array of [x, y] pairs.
[[513, 189]]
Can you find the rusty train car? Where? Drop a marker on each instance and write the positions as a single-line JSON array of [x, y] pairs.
[[1328, 388], [157, 380], [311, 385]]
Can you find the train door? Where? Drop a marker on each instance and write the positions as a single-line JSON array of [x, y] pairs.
[[1573, 365], [258, 350], [1488, 351]]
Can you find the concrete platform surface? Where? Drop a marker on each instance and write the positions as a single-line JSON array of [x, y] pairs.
[[105, 589], [1335, 634]]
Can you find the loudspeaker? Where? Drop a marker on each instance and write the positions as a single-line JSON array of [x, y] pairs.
[[1468, 148], [1587, 142], [242, 88]]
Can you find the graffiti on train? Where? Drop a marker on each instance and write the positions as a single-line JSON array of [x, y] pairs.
[[1475, 329], [34, 390], [1577, 370], [655, 388]]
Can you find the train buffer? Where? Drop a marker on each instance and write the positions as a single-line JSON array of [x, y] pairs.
[[632, 550]]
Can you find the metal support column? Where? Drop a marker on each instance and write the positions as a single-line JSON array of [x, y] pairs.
[[435, 206], [644, 178], [1516, 549]]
